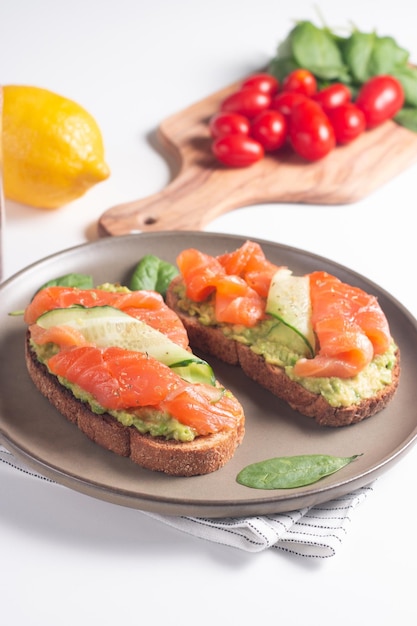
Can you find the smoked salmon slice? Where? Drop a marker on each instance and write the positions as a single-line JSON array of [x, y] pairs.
[[62, 336], [344, 350], [237, 303], [350, 326], [122, 379], [205, 409], [200, 272], [148, 306], [117, 378], [249, 262], [238, 281]]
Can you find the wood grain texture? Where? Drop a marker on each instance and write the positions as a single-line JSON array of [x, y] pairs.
[[202, 189]]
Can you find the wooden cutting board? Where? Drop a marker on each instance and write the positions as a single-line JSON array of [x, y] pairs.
[[201, 189]]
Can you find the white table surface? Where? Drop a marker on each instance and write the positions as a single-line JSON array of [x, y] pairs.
[[68, 558]]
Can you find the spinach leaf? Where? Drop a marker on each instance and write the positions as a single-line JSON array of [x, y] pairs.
[[357, 53], [368, 54], [407, 117], [315, 49], [283, 63], [280, 67], [81, 281], [152, 273], [291, 471], [284, 49], [387, 55], [407, 76]]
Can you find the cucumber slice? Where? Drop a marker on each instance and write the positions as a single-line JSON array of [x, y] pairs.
[[106, 326], [289, 301], [78, 316]]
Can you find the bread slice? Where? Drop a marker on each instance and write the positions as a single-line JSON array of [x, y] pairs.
[[212, 341], [203, 455]]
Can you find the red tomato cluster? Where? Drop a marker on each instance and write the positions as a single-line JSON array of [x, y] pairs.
[[262, 116]]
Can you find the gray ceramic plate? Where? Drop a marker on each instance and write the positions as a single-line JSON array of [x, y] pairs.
[[38, 435]]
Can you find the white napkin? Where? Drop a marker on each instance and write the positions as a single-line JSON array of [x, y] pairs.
[[314, 532]]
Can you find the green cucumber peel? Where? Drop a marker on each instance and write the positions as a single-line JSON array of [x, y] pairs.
[[289, 472], [299, 333], [61, 316], [288, 302], [194, 370]]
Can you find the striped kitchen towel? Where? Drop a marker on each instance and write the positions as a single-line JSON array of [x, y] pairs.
[[314, 532]]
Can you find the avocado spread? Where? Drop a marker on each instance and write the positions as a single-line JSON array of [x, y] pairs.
[[281, 346]]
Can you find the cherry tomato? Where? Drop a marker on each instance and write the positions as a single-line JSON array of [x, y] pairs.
[[300, 81], [380, 98], [285, 101], [237, 150], [247, 101], [262, 82], [311, 134], [348, 122], [222, 124], [270, 129], [333, 96]]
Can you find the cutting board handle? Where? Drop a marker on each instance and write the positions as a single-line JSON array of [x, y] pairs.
[[196, 196]]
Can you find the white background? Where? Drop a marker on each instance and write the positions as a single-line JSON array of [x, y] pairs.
[[71, 559]]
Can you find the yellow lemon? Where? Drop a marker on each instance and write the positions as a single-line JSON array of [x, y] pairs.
[[52, 148]]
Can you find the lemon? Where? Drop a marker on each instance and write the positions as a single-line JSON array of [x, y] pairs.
[[52, 148]]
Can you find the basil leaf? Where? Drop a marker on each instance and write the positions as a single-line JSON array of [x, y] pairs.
[[407, 117], [289, 472], [81, 281], [152, 273], [315, 49]]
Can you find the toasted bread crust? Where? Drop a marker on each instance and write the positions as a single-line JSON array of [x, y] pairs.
[[212, 341], [201, 456]]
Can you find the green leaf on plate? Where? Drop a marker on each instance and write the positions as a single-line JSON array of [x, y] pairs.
[[152, 273], [288, 472], [81, 281]]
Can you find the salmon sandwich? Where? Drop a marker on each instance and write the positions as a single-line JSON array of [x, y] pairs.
[[319, 344], [117, 363]]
